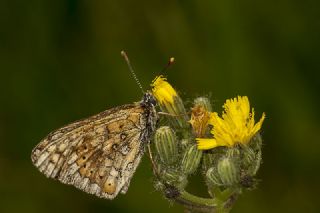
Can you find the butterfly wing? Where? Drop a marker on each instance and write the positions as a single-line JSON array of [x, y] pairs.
[[98, 155]]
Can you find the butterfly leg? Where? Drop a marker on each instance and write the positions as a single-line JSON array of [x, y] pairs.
[[171, 115], [154, 167]]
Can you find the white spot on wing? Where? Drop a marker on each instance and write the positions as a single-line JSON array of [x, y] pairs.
[[114, 172], [62, 147], [42, 158], [51, 148], [55, 158], [49, 169], [84, 183], [73, 158]]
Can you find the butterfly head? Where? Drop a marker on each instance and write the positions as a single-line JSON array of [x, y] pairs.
[[149, 100]]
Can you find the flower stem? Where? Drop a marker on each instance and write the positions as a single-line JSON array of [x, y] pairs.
[[195, 203], [221, 204]]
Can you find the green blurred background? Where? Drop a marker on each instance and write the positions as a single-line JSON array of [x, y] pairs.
[[60, 61]]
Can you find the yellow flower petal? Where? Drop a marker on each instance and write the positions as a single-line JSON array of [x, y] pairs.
[[258, 125], [206, 143], [235, 126], [162, 90]]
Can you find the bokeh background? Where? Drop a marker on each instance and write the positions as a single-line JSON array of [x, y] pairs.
[[60, 61]]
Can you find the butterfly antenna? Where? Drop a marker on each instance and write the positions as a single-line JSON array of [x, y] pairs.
[[124, 55], [170, 62]]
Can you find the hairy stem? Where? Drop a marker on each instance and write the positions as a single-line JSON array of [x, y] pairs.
[[219, 204]]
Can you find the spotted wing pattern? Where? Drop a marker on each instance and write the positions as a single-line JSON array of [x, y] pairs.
[[98, 155]]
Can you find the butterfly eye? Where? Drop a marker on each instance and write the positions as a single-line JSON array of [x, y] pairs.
[[153, 101]]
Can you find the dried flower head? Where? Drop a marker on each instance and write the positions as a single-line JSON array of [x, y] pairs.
[[199, 120]]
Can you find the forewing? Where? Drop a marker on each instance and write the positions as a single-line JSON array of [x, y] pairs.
[[97, 155]]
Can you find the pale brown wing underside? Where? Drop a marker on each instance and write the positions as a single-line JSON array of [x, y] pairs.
[[97, 155]]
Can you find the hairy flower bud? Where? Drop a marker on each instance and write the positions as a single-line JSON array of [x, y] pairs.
[[256, 142], [175, 178], [228, 171], [252, 156], [184, 143], [166, 145], [213, 178], [251, 161], [191, 159], [211, 157], [208, 160]]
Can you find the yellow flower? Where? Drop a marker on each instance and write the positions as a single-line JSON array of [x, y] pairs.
[[169, 101], [163, 91], [236, 125]]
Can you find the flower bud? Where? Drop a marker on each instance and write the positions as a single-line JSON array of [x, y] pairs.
[[213, 178], [158, 185], [256, 142], [252, 155], [191, 159], [248, 156], [251, 160], [255, 164], [175, 178], [208, 160], [166, 145], [211, 157], [233, 153], [228, 171], [177, 109], [184, 143], [203, 101]]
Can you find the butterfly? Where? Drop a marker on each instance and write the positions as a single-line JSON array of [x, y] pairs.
[[100, 154]]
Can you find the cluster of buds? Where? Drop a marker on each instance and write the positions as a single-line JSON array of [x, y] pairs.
[[226, 149], [176, 155]]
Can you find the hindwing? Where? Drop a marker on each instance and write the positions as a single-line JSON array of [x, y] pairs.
[[99, 154]]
